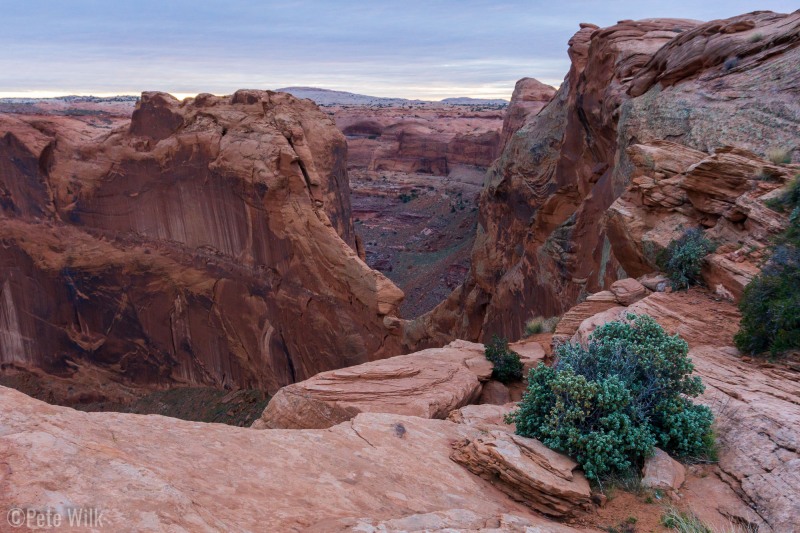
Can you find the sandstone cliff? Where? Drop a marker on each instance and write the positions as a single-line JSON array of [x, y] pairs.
[[541, 243], [206, 242]]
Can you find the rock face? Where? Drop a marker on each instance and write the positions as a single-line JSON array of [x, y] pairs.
[[153, 473], [756, 407], [529, 97], [541, 244], [204, 242], [424, 138], [427, 384], [527, 471], [676, 188]]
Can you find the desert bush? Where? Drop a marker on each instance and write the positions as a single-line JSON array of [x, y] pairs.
[[539, 324], [608, 404], [684, 257], [779, 156], [770, 304], [731, 63], [507, 364], [756, 37]]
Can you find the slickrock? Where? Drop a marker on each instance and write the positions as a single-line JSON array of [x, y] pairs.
[[757, 406], [541, 245], [572, 319], [663, 472], [428, 384], [494, 393], [485, 416], [527, 471], [152, 473], [198, 243]]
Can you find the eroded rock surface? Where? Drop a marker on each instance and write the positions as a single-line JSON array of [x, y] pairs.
[[205, 242], [427, 384], [541, 244], [153, 473], [527, 471]]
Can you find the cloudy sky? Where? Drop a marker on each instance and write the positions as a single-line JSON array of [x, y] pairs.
[[411, 48]]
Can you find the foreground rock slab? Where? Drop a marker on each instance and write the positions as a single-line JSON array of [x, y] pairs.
[[428, 384], [528, 471], [152, 473]]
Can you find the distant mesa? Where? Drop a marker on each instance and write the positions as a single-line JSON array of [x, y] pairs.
[[328, 97]]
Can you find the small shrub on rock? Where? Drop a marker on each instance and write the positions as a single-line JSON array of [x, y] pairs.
[[684, 257], [507, 364], [539, 324], [608, 404]]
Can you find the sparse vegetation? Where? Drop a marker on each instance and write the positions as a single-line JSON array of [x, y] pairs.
[[731, 63], [607, 405], [507, 364], [539, 324], [780, 156], [770, 304], [683, 522], [756, 37], [684, 258]]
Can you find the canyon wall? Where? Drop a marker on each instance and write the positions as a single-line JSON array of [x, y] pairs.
[[204, 242], [431, 139], [542, 241]]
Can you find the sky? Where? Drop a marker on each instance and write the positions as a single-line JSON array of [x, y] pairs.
[[429, 49]]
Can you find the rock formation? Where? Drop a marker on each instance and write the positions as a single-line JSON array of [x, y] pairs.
[[529, 97], [541, 243], [427, 139], [206, 242], [427, 384], [153, 473]]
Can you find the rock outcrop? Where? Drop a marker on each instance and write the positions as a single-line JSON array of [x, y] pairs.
[[427, 384], [541, 244], [676, 188], [207, 241], [153, 473], [756, 405], [528, 471], [529, 97]]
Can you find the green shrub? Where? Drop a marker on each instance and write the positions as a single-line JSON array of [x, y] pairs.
[[770, 304], [683, 522], [608, 405], [539, 324], [684, 258], [507, 364]]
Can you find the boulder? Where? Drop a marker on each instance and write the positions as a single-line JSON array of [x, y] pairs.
[[662, 472], [494, 393], [627, 291], [428, 384], [527, 471]]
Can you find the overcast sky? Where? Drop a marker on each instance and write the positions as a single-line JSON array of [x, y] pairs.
[[416, 49]]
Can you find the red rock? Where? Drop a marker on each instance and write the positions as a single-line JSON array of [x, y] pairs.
[[542, 243], [428, 384], [627, 291], [662, 472], [527, 471], [529, 97], [197, 244], [154, 473]]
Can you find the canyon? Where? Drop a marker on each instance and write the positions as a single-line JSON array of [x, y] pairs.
[[215, 242]]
